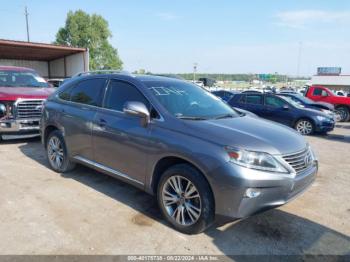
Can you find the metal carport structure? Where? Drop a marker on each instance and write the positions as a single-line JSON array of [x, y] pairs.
[[50, 61]]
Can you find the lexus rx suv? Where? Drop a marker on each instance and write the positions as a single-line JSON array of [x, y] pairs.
[[202, 160]]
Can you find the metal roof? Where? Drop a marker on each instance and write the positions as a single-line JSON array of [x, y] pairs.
[[10, 49]]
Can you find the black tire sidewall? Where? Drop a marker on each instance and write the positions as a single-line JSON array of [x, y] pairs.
[[207, 202], [67, 165]]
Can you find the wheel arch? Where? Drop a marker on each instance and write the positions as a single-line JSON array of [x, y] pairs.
[[305, 118], [48, 130], [166, 162], [342, 105]]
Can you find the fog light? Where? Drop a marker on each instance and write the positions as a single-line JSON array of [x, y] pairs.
[[252, 192]]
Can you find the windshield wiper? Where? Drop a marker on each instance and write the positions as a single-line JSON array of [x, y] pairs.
[[224, 116], [192, 118]]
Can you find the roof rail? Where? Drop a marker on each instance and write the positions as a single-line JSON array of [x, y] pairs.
[[97, 72]]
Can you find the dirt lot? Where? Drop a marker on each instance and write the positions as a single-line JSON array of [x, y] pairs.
[[86, 212]]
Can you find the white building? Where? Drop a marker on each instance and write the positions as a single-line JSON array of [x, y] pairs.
[[335, 82]]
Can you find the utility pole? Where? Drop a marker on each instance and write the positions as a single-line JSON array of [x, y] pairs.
[[194, 71], [26, 14], [299, 58]]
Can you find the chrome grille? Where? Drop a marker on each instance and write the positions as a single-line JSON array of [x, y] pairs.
[[299, 161], [27, 109]]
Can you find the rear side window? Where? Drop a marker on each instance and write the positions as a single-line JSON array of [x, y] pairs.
[[317, 92], [88, 92], [120, 92], [274, 101], [254, 99]]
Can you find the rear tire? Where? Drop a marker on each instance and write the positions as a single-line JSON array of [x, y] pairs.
[[185, 199], [56, 152], [305, 127], [343, 113]]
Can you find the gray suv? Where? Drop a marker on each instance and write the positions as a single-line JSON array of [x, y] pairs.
[[203, 160]]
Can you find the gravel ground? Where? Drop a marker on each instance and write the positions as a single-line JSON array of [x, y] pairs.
[[86, 212]]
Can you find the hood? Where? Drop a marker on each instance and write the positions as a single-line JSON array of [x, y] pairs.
[[248, 133], [324, 104], [14, 93], [312, 112]]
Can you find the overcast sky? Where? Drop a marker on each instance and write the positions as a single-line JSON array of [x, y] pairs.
[[221, 36]]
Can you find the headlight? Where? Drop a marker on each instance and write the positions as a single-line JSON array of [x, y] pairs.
[[322, 118], [6, 109], [2, 110], [255, 160], [328, 112], [313, 156]]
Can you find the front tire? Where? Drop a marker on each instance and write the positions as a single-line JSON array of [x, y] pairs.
[[343, 113], [305, 127], [185, 199], [57, 155]]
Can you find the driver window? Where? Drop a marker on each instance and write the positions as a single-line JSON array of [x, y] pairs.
[[317, 92], [120, 92]]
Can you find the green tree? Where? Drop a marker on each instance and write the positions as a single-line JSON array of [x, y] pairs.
[[90, 31]]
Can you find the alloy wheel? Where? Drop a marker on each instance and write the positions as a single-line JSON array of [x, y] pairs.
[[304, 127], [181, 200], [55, 152], [341, 114]]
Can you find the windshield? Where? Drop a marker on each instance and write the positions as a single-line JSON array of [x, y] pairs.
[[304, 99], [21, 79], [186, 100], [293, 102]]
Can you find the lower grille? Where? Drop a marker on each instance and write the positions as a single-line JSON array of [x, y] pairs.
[[27, 109], [299, 161]]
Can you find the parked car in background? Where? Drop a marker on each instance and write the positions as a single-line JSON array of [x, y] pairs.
[[340, 93], [207, 82], [198, 83], [22, 92], [285, 111], [173, 139], [323, 94], [252, 91], [55, 82], [225, 95], [308, 103]]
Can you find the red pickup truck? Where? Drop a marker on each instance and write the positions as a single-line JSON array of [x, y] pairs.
[[22, 92], [323, 94]]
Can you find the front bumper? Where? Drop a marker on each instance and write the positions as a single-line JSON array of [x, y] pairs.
[[325, 126], [19, 126], [274, 190]]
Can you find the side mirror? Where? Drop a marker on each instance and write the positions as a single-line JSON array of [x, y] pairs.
[[137, 109], [324, 93], [285, 107]]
